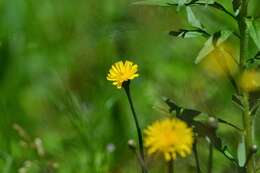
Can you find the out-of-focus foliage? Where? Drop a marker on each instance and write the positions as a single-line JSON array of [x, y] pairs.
[[58, 113]]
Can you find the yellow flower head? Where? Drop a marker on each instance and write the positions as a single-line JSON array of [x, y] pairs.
[[250, 80], [220, 62], [169, 137], [121, 72]]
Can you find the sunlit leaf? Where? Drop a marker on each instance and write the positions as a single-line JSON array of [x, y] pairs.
[[236, 6], [208, 47], [192, 19], [206, 1], [182, 2], [188, 33], [254, 30]]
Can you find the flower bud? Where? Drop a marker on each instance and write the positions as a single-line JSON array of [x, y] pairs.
[[213, 122], [132, 144]]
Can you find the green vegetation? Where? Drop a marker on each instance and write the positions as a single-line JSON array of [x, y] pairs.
[[59, 113]]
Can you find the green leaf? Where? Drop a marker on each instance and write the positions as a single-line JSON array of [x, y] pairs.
[[237, 101], [254, 30], [208, 47], [182, 2], [236, 6], [207, 1], [188, 33], [192, 19], [192, 34], [200, 128], [254, 62], [241, 153], [225, 34]]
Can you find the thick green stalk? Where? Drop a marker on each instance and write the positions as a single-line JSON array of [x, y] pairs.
[[243, 33], [248, 134], [247, 117]]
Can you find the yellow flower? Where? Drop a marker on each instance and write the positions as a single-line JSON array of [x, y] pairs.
[[169, 137], [250, 80], [220, 62], [121, 72]]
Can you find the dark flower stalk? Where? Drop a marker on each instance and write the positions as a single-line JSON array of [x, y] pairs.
[[195, 152], [171, 166], [126, 86]]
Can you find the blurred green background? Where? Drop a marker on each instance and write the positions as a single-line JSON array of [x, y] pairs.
[[58, 113]]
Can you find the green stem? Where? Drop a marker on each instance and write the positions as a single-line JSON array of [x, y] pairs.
[[210, 159], [244, 37], [248, 134], [170, 166], [126, 86], [247, 117], [195, 152]]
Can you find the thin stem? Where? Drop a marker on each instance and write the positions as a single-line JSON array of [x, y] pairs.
[[229, 124], [210, 159], [234, 161], [170, 166], [195, 152], [139, 131], [139, 158], [216, 5]]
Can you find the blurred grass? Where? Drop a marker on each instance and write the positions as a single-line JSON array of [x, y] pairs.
[[54, 56]]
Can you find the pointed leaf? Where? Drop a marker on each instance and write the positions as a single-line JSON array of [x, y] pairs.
[[236, 6], [182, 2], [207, 1], [188, 33], [192, 34], [254, 30], [208, 47], [192, 19], [237, 101]]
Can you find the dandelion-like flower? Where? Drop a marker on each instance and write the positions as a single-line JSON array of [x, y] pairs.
[[250, 80], [170, 137], [121, 72]]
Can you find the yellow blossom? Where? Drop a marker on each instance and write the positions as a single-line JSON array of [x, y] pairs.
[[250, 80], [170, 137], [220, 62], [121, 72]]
